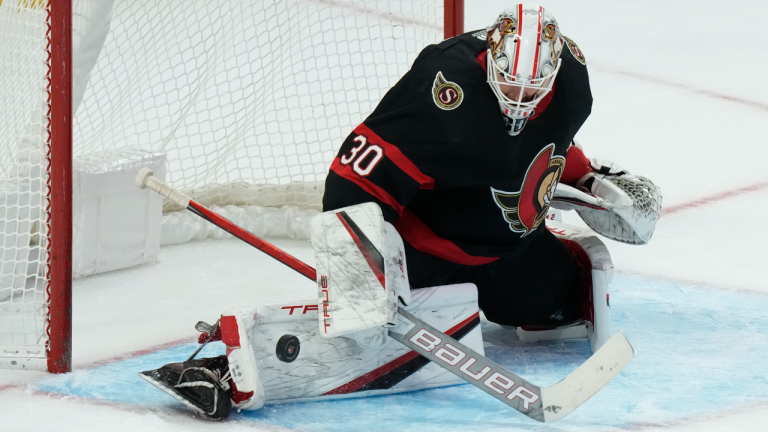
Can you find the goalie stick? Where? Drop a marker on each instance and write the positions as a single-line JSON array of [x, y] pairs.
[[544, 404], [145, 179]]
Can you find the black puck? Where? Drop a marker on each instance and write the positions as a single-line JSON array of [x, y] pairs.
[[287, 348]]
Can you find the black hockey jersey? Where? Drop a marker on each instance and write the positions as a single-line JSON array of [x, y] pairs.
[[436, 156]]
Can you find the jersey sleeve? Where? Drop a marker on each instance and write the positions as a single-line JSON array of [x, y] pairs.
[[370, 169], [407, 144]]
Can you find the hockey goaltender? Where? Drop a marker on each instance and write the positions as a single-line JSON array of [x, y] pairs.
[[440, 197]]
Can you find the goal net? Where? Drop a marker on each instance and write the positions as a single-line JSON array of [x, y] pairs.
[[24, 150], [249, 100], [246, 94]]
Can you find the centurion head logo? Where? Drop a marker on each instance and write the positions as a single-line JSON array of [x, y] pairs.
[[526, 209]]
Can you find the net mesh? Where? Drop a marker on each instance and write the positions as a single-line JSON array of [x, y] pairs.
[[24, 137], [249, 100], [245, 94]]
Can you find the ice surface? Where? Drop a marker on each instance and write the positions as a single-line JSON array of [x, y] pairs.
[[693, 302], [698, 351]]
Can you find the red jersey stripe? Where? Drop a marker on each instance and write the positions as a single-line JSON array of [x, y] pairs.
[[368, 186], [418, 235], [395, 155]]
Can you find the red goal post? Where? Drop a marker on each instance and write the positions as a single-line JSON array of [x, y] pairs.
[[59, 226], [453, 18], [40, 131]]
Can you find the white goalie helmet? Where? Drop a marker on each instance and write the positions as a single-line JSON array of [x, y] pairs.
[[524, 46]]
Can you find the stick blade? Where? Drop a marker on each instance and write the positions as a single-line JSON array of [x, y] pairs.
[[562, 398]]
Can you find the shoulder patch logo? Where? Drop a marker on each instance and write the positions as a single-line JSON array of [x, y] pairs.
[[447, 95], [526, 209], [575, 50], [480, 34]]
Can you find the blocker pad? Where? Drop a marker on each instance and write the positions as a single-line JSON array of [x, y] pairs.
[[361, 270]]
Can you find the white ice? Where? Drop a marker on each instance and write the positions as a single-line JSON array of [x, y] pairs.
[[680, 97]]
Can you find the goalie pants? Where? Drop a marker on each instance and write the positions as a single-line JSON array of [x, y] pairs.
[[537, 284]]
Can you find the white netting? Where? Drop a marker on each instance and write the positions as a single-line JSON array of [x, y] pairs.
[[248, 93], [23, 178], [249, 99]]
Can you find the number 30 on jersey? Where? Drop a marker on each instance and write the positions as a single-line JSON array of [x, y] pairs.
[[363, 158]]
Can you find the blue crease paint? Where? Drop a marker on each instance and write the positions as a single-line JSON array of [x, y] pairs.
[[698, 351]]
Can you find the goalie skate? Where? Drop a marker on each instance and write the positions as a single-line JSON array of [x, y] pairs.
[[201, 385]]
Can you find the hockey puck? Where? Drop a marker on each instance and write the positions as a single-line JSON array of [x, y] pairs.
[[287, 348]]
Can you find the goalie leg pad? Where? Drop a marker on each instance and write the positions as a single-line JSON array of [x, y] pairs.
[[356, 365], [597, 272], [247, 390]]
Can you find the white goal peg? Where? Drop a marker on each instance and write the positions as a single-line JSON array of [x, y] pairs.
[[146, 179]]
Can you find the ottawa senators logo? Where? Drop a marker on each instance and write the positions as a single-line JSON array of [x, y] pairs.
[[575, 50], [448, 95], [526, 209]]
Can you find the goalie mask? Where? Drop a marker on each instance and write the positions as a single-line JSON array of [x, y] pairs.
[[524, 46]]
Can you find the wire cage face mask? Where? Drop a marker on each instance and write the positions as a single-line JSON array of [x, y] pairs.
[[524, 46]]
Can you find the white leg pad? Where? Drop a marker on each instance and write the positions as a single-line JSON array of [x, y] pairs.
[[367, 364], [597, 330], [247, 390]]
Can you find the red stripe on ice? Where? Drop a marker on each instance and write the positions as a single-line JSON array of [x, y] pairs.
[[756, 187]]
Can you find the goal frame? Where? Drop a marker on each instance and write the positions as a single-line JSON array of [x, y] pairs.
[[59, 164], [59, 204]]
